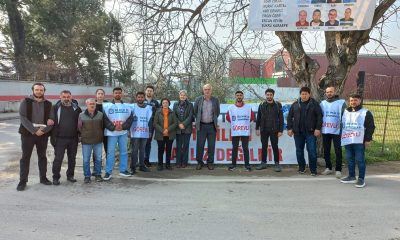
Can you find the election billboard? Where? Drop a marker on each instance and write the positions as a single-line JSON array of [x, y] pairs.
[[311, 15]]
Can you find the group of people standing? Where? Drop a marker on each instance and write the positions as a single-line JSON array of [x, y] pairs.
[[111, 123]]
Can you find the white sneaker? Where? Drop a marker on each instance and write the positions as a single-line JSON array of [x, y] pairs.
[[338, 174], [327, 171]]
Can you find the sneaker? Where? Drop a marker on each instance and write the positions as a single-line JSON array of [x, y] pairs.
[[125, 174], [56, 182], [338, 174], [144, 169], [247, 168], [45, 181], [348, 179], [277, 167], [262, 166], [168, 167], [327, 171], [313, 174], [301, 171], [98, 178], [107, 177], [360, 183], [232, 168], [21, 186], [87, 180], [71, 179], [133, 171], [147, 163]]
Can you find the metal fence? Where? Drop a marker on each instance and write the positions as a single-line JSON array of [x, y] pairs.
[[382, 97]]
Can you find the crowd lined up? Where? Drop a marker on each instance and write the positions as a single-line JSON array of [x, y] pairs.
[[110, 124]]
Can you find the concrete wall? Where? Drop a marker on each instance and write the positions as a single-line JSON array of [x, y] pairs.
[[12, 92]]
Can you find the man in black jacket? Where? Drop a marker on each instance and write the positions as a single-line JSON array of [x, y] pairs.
[[269, 124], [65, 135], [304, 121], [34, 113]]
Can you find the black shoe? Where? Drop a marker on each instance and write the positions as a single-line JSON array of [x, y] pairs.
[[232, 168], [199, 166], [45, 181], [277, 167], [71, 179], [160, 168], [144, 169], [262, 166], [133, 171], [210, 166], [21, 186], [147, 163], [168, 167], [87, 180], [56, 182], [247, 168], [98, 178]]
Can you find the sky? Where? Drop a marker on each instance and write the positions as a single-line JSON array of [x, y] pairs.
[[311, 40]]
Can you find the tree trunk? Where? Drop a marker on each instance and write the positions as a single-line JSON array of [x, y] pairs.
[[17, 35], [303, 67]]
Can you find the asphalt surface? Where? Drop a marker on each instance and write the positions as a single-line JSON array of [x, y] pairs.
[[189, 204]]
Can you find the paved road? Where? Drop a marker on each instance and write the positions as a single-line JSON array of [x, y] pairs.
[[198, 206]]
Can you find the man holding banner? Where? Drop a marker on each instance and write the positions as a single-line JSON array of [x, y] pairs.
[[117, 120], [240, 116]]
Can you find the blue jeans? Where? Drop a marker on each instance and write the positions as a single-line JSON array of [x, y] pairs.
[[122, 141], [300, 140], [86, 153], [356, 152], [182, 148]]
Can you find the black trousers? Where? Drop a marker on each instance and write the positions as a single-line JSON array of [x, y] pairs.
[[273, 136], [62, 144], [327, 140], [164, 145], [245, 146], [27, 144]]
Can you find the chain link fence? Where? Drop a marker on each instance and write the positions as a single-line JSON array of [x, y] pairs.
[[382, 97]]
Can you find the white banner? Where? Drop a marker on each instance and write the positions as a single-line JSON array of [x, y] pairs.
[[311, 15], [223, 147]]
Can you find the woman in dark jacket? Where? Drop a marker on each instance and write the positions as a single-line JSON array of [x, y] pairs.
[[183, 110], [165, 124]]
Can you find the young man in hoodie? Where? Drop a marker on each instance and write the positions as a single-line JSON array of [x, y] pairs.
[[332, 110], [357, 129], [240, 116], [269, 125], [304, 122], [34, 113]]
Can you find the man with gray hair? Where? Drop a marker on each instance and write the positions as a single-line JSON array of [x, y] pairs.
[[206, 110], [65, 135], [90, 126]]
